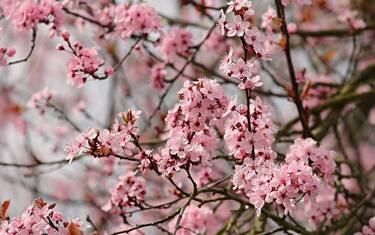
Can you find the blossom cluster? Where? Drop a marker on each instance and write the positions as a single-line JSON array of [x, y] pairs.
[[191, 138], [299, 179], [241, 25], [135, 19], [129, 191], [244, 139], [243, 71], [120, 139], [40, 218], [84, 64], [29, 13]]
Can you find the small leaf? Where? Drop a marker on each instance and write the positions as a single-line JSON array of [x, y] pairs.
[[282, 42], [73, 229], [4, 208]]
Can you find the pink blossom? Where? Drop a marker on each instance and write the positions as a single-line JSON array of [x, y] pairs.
[[226, 61], [256, 39], [250, 83], [268, 19], [34, 220], [191, 139], [27, 14], [84, 64], [237, 27]]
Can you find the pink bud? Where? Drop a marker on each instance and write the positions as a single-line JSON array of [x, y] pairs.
[[11, 52], [109, 71], [65, 35], [60, 47], [292, 28]]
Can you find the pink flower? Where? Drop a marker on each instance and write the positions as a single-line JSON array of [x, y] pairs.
[[256, 39], [27, 14], [79, 144], [238, 5], [368, 229], [226, 61], [37, 219], [84, 64], [268, 17], [237, 27], [250, 83], [241, 69], [191, 140]]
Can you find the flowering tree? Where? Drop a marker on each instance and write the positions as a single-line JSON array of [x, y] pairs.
[[187, 117]]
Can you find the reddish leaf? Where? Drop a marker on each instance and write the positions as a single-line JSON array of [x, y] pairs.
[[4, 208]]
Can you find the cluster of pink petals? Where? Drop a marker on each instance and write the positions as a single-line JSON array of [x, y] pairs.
[[38, 218], [195, 220], [84, 64], [129, 191], [368, 229], [268, 19], [243, 7], [136, 18], [242, 142], [240, 26], [191, 138], [262, 180], [119, 140], [41, 99], [175, 43], [245, 72], [5, 54], [321, 159], [26, 14]]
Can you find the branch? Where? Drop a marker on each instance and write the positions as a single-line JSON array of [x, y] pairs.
[[293, 80], [335, 32], [33, 39]]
